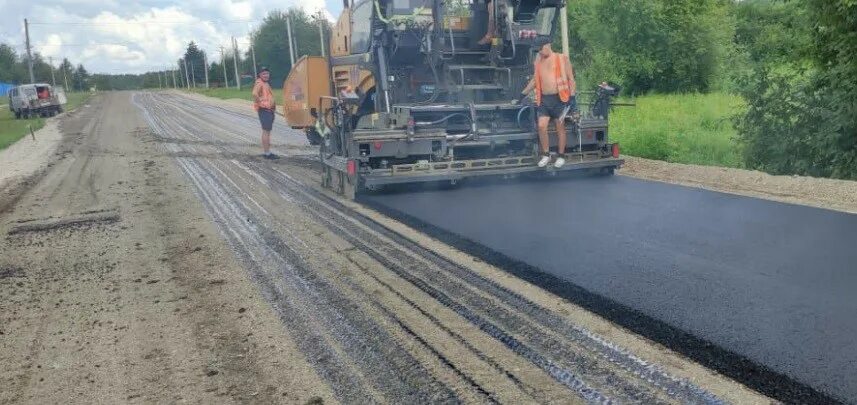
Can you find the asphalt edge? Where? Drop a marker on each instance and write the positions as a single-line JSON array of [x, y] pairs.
[[733, 365]]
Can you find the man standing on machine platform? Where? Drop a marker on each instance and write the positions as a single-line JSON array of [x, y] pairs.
[[555, 91]]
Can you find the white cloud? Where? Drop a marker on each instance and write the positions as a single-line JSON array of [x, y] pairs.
[[109, 36]]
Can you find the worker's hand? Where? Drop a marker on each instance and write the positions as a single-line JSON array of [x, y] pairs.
[[520, 99]]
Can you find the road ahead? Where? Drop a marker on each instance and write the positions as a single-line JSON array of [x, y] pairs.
[[158, 258], [770, 281]]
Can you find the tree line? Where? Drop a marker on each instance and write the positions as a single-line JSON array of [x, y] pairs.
[[14, 70]]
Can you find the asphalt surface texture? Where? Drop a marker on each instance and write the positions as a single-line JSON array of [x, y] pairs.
[[767, 282], [383, 318]]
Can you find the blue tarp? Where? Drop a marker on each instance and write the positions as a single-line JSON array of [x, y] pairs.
[[4, 88]]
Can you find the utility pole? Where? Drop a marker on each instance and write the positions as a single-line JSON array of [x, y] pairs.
[[159, 80], [235, 63], [563, 24], [205, 65], [223, 63], [321, 32], [29, 53], [291, 42], [186, 75], [253, 52], [65, 77], [192, 74], [174, 78], [53, 79]]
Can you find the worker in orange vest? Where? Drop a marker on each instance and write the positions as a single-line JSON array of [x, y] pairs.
[[263, 103], [555, 91]]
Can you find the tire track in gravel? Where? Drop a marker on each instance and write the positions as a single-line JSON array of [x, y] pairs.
[[348, 337], [592, 368]]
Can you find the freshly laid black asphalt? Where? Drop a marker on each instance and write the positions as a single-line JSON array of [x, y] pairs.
[[765, 281]]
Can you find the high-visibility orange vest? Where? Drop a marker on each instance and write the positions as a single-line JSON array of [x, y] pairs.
[[561, 83], [265, 94]]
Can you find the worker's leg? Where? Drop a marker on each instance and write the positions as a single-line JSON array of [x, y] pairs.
[[561, 136], [561, 140], [544, 142], [490, 32], [266, 141]]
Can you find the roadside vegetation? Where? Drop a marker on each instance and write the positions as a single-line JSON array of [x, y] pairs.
[[761, 84], [683, 128], [243, 94], [11, 130]]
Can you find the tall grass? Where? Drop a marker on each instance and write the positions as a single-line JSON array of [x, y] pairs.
[[11, 130], [683, 128]]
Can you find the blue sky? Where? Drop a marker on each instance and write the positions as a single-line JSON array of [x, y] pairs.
[[113, 36]]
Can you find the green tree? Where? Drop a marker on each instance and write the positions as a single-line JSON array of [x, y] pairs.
[[654, 45], [64, 72], [801, 92], [80, 78], [195, 58], [272, 46], [9, 64]]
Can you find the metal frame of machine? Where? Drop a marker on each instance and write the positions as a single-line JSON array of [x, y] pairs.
[[409, 95]]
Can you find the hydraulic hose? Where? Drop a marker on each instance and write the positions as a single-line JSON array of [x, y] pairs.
[[521, 111]]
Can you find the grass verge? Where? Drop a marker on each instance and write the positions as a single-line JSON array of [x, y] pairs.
[[682, 128], [11, 130], [243, 94]]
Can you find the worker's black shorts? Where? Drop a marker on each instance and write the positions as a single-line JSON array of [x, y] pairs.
[[552, 106], [266, 117]]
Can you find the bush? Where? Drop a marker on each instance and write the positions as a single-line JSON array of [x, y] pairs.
[[662, 46], [802, 110]]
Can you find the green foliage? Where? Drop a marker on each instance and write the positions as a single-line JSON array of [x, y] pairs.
[[656, 45], [272, 45], [800, 89], [683, 128], [14, 69], [194, 61]]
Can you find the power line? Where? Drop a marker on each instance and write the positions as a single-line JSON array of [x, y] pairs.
[[95, 24]]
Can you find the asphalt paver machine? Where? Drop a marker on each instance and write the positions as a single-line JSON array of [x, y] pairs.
[[411, 91]]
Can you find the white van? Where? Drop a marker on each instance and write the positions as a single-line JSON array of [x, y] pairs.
[[39, 99]]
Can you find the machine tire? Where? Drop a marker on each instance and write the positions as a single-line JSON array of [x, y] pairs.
[[608, 171], [17, 115]]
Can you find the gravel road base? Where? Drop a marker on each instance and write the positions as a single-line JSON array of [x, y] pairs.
[[840, 195], [117, 288]]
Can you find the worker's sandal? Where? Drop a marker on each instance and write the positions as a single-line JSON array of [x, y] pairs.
[[544, 161], [560, 162]]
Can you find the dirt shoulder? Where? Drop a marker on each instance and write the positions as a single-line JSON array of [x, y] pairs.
[[117, 288], [22, 163], [840, 195]]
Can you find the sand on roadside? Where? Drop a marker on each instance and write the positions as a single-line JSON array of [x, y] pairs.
[[840, 195]]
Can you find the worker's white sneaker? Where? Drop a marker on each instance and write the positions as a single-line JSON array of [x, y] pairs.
[[560, 162], [544, 161]]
